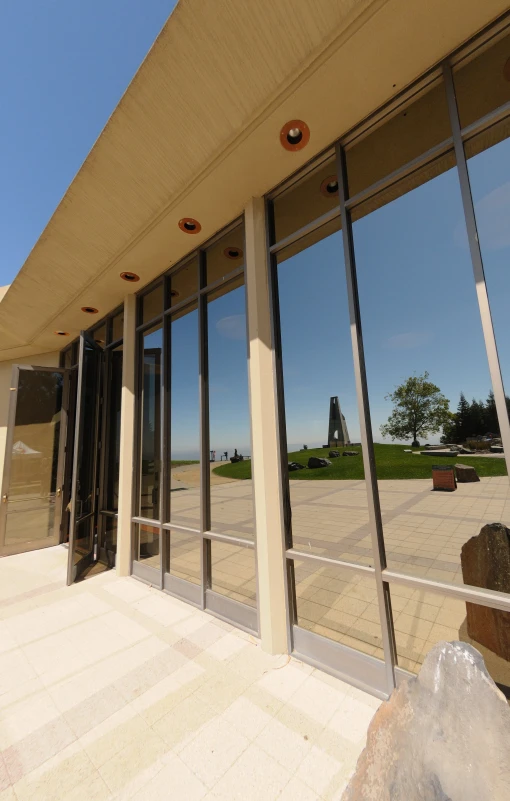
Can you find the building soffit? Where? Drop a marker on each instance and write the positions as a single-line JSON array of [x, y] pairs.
[[197, 134]]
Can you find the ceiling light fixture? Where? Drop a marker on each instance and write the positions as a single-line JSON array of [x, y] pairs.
[[89, 310], [329, 186], [189, 225], [295, 135], [62, 333], [233, 253], [131, 277]]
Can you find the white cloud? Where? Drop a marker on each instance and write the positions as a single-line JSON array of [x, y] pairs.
[[408, 340], [233, 327]]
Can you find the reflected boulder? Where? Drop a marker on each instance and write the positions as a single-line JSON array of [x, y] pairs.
[[466, 473], [442, 736], [334, 454], [295, 466], [350, 453], [316, 461]]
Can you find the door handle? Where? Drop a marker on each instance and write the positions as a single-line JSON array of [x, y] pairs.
[[59, 492], [4, 498]]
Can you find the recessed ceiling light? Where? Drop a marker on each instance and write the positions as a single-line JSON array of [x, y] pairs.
[[174, 293], [233, 253], [131, 277], [329, 186], [89, 309], [189, 225], [62, 333], [295, 135]]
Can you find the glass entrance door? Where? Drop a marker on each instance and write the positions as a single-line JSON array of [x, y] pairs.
[[83, 526], [30, 511]]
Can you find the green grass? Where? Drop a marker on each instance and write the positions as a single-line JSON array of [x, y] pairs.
[[181, 462], [391, 462]]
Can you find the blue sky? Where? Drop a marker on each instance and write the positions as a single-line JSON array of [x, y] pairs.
[[64, 64]]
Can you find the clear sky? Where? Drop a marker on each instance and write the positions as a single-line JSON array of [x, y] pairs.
[[64, 65]]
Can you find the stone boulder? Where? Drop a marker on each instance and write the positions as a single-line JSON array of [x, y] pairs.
[[295, 466], [350, 453], [316, 461], [467, 450], [334, 454], [442, 736], [485, 562], [466, 473], [496, 449]]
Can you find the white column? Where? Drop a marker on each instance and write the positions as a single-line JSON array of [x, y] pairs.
[[265, 464], [127, 439]]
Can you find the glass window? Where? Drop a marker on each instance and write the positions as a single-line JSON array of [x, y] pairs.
[[339, 604], [233, 572], [482, 84], [67, 360], [99, 335], [309, 197], [428, 380], [422, 619], [226, 255], [147, 538], [152, 343], [326, 476], [184, 282], [417, 126], [184, 419], [229, 413], [152, 304], [184, 559], [118, 326], [112, 432]]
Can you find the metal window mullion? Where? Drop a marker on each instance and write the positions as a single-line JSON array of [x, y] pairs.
[[205, 488], [374, 508], [477, 263], [307, 229], [328, 561], [165, 475]]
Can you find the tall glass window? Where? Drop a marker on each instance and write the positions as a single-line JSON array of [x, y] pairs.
[[150, 471]]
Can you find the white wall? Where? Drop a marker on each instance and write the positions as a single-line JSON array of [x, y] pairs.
[[39, 360]]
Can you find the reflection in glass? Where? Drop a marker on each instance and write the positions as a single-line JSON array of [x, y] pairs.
[[422, 334], [34, 459], [229, 414], [151, 422], [118, 326], [99, 335], [148, 544], [112, 461], [489, 174], [330, 514], [310, 197], [184, 282], [152, 304], [233, 572], [184, 556], [226, 255], [339, 604], [185, 420], [421, 619], [481, 84], [110, 538]]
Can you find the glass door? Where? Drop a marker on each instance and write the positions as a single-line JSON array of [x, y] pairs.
[[82, 533], [31, 505]]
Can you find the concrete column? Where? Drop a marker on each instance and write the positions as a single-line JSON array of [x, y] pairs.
[[127, 439], [265, 461]]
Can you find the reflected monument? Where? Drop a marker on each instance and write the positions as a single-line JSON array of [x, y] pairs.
[[337, 429]]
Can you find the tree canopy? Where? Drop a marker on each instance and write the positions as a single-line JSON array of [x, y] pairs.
[[419, 409]]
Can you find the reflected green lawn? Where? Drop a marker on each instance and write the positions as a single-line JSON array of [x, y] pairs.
[[392, 463]]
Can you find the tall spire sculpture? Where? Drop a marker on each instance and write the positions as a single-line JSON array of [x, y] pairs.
[[337, 430]]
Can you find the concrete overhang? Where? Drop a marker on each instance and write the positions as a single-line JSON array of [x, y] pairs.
[[197, 134]]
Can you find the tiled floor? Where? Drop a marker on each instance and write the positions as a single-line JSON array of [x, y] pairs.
[[111, 689]]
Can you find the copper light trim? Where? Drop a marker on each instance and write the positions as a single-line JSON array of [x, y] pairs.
[[189, 225], [131, 277], [329, 186], [295, 135], [61, 333], [174, 293], [233, 253], [89, 310]]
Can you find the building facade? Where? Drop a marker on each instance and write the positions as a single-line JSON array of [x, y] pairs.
[[350, 235]]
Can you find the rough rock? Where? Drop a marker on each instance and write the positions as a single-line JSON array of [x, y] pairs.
[[295, 466], [442, 736], [350, 453], [496, 449], [415, 444], [485, 561], [334, 454], [466, 473], [234, 459], [467, 450], [316, 461]]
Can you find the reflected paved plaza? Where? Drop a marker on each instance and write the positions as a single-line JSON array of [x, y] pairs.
[[110, 689]]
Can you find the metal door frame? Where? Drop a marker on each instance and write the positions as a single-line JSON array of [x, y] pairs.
[[11, 420], [72, 569]]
